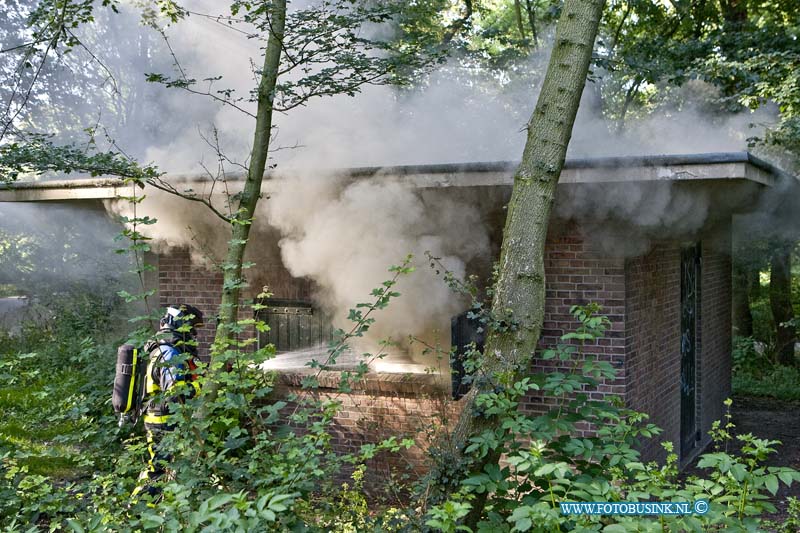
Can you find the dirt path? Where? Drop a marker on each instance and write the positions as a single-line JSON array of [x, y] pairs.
[[767, 418]]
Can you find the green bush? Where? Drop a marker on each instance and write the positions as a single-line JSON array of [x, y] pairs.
[[792, 522], [780, 382], [748, 358], [763, 326], [255, 462], [57, 429], [251, 462], [755, 372]]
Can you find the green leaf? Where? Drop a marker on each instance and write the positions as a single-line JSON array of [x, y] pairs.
[[545, 469], [771, 482], [152, 521], [739, 472], [786, 477], [75, 526]]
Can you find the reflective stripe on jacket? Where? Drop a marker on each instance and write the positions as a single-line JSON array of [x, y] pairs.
[[166, 371]]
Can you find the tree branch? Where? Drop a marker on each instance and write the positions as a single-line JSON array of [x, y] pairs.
[[162, 185], [186, 85], [301, 100], [98, 61], [50, 45], [531, 9], [23, 45], [459, 24]]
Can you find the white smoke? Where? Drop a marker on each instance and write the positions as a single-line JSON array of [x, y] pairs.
[[345, 236]]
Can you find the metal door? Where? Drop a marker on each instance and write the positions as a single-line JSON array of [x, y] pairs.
[[463, 332], [690, 285], [294, 325]]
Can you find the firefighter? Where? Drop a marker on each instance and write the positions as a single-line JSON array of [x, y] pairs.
[[170, 380]]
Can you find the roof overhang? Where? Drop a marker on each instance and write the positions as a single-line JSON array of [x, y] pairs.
[[65, 190], [741, 166]]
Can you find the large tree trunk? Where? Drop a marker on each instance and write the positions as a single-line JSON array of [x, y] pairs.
[[518, 15], [519, 293], [531, 9], [742, 316], [734, 12], [233, 280], [780, 300]]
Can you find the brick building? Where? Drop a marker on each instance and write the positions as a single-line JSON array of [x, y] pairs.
[[665, 285]]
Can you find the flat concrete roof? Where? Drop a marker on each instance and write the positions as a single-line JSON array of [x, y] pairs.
[[679, 167], [65, 190]]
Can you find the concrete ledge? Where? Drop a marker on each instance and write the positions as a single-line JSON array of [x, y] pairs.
[[679, 167], [372, 382], [60, 190]]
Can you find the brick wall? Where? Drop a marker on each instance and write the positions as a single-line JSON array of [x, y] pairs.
[[652, 335], [382, 406], [715, 333], [577, 274], [641, 297], [653, 322], [270, 271], [181, 282]]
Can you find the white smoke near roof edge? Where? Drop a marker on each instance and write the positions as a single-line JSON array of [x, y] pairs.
[[345, 237]]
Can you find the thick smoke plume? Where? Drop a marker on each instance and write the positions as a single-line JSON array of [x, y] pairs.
[[344, 237], [340, 236], [623, 218], [462, 116], [181, 224]]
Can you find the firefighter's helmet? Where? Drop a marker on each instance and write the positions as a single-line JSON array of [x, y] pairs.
[[178, 316]]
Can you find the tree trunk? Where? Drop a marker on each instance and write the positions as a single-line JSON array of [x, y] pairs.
[[531, 9], [519, 293], [780, 300], [518, 14], [459, 24], [734, 12], [240, 231], [742, 316], [699, 15], [754, 283], [629, 96]]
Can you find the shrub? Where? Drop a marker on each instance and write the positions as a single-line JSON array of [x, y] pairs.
[[250, 461], [780, 382], [546, 461], [755, 372], [253, 464], [57, 428]]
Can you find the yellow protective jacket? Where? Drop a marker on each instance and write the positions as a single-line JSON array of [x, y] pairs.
[[168, 369]]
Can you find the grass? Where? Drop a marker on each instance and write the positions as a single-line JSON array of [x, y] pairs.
[[39, 417], [54, 461], [58, 434], [37, 422], [54, 393], [779, 382], [38, 433]]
